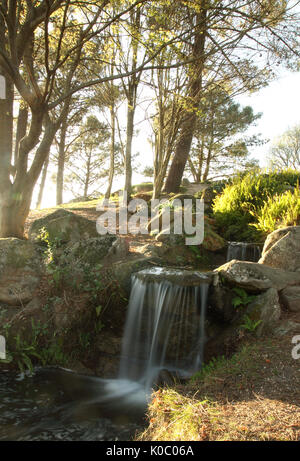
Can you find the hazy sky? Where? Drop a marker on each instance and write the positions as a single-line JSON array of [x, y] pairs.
[[280, 105]]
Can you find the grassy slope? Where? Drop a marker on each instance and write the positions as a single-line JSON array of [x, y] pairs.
[[254, 395]]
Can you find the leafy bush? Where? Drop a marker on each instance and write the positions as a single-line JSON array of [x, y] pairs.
[[279, 211], [239, 205]]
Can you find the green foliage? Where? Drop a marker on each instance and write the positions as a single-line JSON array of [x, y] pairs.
[[86, 164], [219, 148], [22, 353], [52, 245], [196, 250], [242, 298], [250, 324], [279, 211], [84, 339], [40, 346], [239, 205], [208, 368], [142, 187]]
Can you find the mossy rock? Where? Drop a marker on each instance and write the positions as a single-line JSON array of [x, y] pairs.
[[90, 251], [265, 311], [63, 226], [212, 240], [123, 271], [16, 253], [143, 187], [20, 271]]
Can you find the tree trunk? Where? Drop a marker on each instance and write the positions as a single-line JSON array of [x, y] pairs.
[[87, 177], [112, 152], [6, 133], [16, 198], [128, 150], [188, 127], [131, 93], [14, 210], [21, 130], [181, 154], [42, 185], [12, 222], [61, 163]]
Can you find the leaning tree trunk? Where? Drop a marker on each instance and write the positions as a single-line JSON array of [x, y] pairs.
[[181, 154], [184, 143], [21, 130]]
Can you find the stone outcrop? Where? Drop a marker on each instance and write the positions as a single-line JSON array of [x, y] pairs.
[[63, 226], [20, 271], [291, 298], [212, 240], [257, 277], [90, 251], [265, 311], [282, 249], [175, 276]]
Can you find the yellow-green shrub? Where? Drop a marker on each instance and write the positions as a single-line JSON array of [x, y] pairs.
[[238, 207], [279, 211]]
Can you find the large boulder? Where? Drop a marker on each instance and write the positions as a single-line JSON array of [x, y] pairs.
[[62, 226], [90, 251], [287, 327], [282, 249], [290, 297], [264, 312], [20, 271], [220, 302], [187, 278], [257, 277], [122, 271], [212, 240]]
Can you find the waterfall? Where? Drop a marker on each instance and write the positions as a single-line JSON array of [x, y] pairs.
[[243, 251], [165, 324]]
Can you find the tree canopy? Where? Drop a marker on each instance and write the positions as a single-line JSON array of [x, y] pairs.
[[173, 54]]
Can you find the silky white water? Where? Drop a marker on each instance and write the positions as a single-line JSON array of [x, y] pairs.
[[165, 329]]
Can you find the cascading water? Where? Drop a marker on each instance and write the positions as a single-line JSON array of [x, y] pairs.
[[243, 251], [165, 325], [164, 330]]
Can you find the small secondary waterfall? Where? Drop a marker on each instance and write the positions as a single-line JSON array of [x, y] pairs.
[[165, 324], [243, 251]]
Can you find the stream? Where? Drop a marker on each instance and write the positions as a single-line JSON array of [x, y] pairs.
[[55, 404]]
